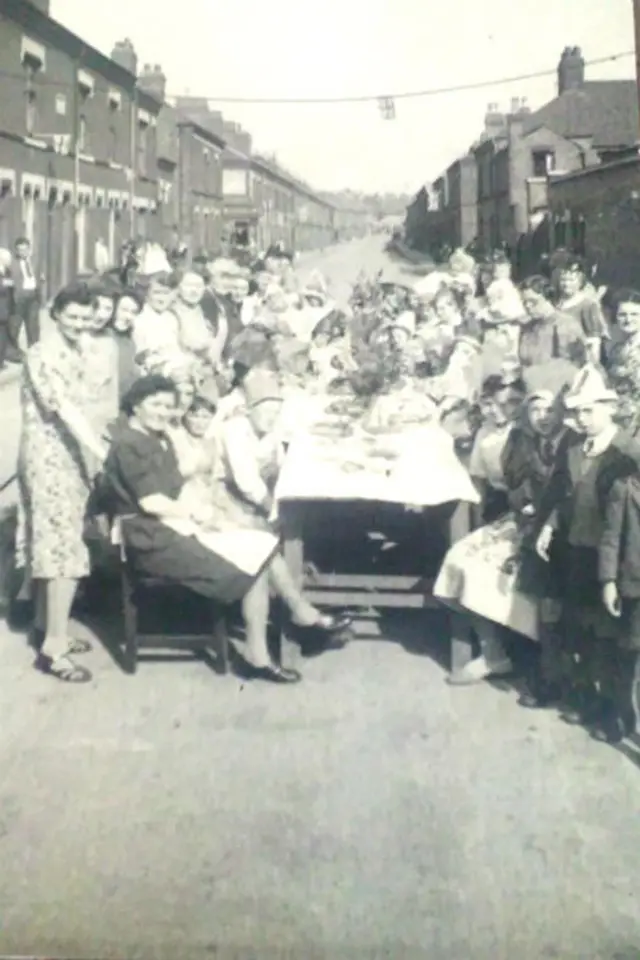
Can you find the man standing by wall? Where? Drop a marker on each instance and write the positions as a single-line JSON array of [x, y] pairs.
[[27, 292]]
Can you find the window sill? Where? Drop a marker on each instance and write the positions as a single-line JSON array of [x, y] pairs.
[[34, 142]]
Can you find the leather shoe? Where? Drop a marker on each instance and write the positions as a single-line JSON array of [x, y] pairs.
[[273, 673], [328, 623]]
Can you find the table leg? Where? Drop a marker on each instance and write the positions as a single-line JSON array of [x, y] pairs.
[[293, 550], [460, 632]]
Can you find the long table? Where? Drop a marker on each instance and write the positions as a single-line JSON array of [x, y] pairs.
[[416, 470]]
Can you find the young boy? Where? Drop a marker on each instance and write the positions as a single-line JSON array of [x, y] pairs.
[[619, 572]]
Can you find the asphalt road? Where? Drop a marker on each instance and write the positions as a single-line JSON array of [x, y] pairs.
[[370, 812]]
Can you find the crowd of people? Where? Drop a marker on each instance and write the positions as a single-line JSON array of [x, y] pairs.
[[165, 401]]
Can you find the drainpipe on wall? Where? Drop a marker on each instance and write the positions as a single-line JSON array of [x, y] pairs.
[[636, 24]]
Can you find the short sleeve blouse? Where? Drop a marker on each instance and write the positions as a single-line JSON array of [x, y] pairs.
[[140, 465]]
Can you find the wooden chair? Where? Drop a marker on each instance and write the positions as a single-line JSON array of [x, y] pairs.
[[137, 591]]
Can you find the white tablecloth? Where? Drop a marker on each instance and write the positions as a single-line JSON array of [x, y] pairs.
[[421, 470]]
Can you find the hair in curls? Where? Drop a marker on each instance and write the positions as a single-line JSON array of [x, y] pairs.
[[80, 293], [198, 269], [539, 285], [144, 387], [451, 293], [625, 295], [163, 279], [575, 264], [130, 293]]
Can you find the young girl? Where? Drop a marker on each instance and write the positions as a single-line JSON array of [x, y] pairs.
[[575, 298], [156, 328]]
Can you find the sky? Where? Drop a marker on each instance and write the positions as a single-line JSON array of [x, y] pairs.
[[348, 48]]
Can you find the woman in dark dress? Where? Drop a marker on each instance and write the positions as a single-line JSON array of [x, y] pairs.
[[548, 333], [166, 534]]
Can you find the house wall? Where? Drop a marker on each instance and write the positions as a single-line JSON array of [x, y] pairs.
[[39, 62], [608, 199]]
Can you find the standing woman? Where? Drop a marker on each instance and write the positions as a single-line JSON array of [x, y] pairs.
[[576, 298], [623, 361], [195, 332], [548, 333], [101, 359], [54, 477], [127, 307]]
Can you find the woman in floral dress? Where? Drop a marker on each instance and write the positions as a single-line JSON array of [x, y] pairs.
[[58, 451]]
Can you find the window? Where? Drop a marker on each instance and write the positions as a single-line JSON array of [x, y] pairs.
[[112, 145], [82, 133], [31, 101], [142, 148], [543, 162], [61, 105]]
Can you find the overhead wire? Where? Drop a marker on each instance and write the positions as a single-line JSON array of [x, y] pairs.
[[366, 98]]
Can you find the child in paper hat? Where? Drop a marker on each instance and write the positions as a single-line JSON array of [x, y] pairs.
[[591, 456]]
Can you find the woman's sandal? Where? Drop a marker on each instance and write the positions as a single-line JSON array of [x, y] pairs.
[[63, 669], [76, 644]]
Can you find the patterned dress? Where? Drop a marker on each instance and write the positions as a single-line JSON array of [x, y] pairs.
[[623, 365], [54, 478]]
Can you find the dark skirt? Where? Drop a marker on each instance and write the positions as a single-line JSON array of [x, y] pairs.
[[157, 551]]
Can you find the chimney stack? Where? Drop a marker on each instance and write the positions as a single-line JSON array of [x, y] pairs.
[[124, 54], [495, 122], [153, 81], [570, 70]]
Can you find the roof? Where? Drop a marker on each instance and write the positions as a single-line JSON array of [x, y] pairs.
[[605, 110], [43, 27]]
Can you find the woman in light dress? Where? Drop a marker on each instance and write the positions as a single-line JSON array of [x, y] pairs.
[[60, 452]]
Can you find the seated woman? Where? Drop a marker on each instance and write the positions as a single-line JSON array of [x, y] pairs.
[[548, 333], [170, 540]]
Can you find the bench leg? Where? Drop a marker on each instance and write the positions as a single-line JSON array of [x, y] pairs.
[[130, 615], [460, 631], [221, 637], [293, 551]]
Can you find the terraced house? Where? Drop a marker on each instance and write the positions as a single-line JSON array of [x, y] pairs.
[[77, 142]]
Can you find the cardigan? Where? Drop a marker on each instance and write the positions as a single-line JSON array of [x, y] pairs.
[[619, 553]]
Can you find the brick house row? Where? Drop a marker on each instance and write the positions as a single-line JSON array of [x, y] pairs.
[[498, 194], [91, 149]]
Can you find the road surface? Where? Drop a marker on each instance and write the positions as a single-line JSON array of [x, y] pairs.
[[371, 812]]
